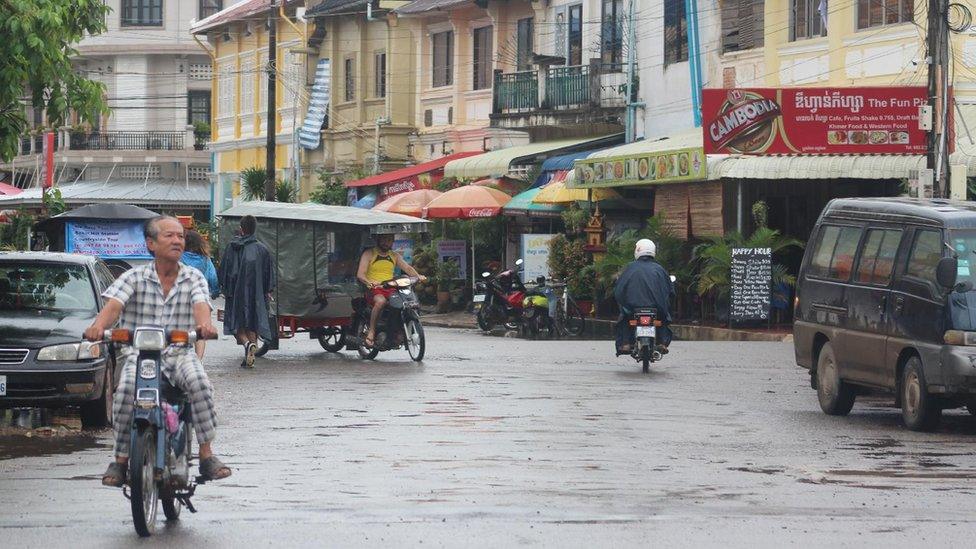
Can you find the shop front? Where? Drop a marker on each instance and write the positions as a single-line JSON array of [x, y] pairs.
[[372, 190]]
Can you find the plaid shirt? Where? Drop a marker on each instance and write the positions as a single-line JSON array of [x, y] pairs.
[[141, 294]]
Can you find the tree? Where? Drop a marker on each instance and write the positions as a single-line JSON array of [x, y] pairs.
[[331, 191], [35, 64]]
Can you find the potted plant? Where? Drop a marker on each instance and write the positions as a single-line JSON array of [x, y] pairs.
[[445, 273], [201, 135], [574, 218]]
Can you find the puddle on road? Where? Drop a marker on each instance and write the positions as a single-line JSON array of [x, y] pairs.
[[31, 432]]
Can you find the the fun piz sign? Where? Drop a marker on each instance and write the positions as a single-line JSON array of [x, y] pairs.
[[879, 120]]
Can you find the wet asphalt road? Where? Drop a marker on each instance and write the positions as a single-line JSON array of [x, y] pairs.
[[496, 442]]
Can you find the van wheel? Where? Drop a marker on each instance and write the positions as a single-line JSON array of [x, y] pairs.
[[836, 397], [919, 409]]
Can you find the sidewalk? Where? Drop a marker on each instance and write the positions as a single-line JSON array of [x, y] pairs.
[[603, 329]]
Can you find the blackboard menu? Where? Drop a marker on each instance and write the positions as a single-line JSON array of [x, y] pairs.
[[751, 279]]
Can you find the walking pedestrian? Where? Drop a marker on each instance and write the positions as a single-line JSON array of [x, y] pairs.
[[247, 277], [197, 255]]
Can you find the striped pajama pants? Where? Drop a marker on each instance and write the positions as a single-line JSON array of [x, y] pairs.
[[184, 370]]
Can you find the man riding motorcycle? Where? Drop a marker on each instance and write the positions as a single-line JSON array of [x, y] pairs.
[[377, 265], [173, 296], [644, 283]]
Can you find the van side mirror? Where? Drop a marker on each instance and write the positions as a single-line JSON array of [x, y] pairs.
[[946, 272]]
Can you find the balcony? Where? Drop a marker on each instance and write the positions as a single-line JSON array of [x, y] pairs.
[[127, 141], [73, 146], [560, 97]]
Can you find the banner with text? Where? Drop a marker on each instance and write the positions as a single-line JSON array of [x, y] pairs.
[[454, 250], [535, 256], [106, 239]]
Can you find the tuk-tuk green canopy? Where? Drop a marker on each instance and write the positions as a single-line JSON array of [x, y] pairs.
[[378, 222]]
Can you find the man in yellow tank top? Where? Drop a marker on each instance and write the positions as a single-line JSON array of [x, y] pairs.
[[376, 266]]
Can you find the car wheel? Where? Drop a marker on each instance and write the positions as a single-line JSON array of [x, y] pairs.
[[97, 413], [919, 409], [835, 395]]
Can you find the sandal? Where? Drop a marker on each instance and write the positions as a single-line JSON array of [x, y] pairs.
[[115, 475], [213, 469], [249, 353], [370, 340]]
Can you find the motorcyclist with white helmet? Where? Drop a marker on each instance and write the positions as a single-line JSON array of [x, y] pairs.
[[644, 283]]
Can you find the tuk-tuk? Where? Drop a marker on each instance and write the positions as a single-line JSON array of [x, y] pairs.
[[316, 250]]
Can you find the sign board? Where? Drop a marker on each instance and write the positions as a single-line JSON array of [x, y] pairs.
[[641, 169], [106, 239], [454, 250], [47, 164], [876, 120], [417, 182], [535, 256], [751, 279], [404, 247]]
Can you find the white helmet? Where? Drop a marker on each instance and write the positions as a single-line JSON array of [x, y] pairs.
[[645, 246]]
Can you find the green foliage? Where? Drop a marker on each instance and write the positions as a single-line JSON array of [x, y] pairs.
[[53, 202], [574, 218], [330, 191], [568, 261], [14, 235], [446, 273], [446, 184], [760, 214], [201, 128], [37, 47], [714, 258], [286, 191], [425, 261], [672, 253], [252, 183]]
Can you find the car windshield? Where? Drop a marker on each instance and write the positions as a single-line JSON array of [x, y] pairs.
[[45, 286], [962, 306]]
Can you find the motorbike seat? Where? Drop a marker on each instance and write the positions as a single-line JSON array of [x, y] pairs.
[[170, 393]]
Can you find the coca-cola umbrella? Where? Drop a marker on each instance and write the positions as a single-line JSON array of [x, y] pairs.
[[409, 203], [467, 202]]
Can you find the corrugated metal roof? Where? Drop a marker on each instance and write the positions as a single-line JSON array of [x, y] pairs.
[[127, 191], [328, 7], [343, 215], [423, 6], [497, 163], [409, 171], [230, 14]]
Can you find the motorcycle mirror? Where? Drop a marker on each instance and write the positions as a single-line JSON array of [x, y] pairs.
[[485, 274], [518, 262], [673, 278]]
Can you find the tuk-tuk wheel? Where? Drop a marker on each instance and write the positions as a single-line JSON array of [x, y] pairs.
[[332, 339]]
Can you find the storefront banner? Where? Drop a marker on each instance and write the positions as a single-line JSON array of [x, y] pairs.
[[454, 250], [641, 169], [422, 181], [877, 120], [535, 256], [106, 239]]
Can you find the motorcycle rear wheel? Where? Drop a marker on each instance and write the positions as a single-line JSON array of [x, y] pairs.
[[646, 359], [142, 481], [367, 353]]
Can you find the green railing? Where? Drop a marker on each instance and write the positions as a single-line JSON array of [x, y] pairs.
[[516, 91], [568, 86]]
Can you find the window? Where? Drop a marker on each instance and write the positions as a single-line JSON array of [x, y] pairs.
[[742, 24], [379, 78], [198, 106], [482, 58], [833, 256], [575, 35], [524, 39], [611, 31], [142, 13], [443, 46], [878, 257], [247, 86], [348, 68], [675, 32], [807, 20], [209, 7], [225, 91], [877, 13], [926, 253]]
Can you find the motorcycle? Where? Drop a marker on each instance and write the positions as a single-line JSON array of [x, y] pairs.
[[162, 431], [398, 326], [645, 325], [498, 299], [537, 314]]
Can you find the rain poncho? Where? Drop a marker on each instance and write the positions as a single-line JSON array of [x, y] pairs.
[[247, 275], [645, 283]]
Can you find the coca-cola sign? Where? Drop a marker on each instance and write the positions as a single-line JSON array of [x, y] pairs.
[[876, 120]]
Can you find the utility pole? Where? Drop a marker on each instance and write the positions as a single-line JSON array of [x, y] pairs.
[[630, 119], [937, 158], [271, 124], [380, 121]]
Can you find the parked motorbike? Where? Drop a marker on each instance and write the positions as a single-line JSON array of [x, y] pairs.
[[398, 326], [498, 299], [537, 317], [162, 431]]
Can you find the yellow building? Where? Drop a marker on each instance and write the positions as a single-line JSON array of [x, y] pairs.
[[237, 40]]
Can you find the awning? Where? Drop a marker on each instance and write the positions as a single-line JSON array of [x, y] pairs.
[[379, 222], [154, 192], [669, 160], [310, 134], [408, 172], [498, 163], [522, 204], [9, 190], [813, 167]]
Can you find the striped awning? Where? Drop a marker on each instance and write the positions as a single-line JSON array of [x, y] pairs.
[[310, 134]]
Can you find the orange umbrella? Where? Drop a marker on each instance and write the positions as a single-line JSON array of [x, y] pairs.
[[467, 202], [408, 203], [504, 184]]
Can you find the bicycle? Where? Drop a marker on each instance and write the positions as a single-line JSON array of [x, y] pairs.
[[568, 319]]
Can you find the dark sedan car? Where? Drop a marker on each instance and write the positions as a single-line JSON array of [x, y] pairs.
[[46, 302]]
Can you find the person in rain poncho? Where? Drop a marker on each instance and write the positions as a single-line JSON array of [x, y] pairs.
[[247, 277], [643, 283]]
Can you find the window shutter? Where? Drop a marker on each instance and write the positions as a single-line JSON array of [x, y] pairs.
[[559, 36], [731, 31]]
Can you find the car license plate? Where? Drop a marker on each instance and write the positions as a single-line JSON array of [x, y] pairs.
[[645, 331], [479, 298], [3, 386]]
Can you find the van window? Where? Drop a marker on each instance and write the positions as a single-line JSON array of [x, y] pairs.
[[833, 256], [925, 255], [878, 257]]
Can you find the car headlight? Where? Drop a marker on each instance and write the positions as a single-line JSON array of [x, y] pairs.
[[149, 339], [83, 350]]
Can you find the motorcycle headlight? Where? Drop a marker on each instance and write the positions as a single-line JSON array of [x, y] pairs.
[[149, 339], [83, 350]]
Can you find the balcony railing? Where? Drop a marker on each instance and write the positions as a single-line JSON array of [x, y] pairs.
[[516, 91], [127, 141], [568, 86]]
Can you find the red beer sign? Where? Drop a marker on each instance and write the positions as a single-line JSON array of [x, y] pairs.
[[878, 120]]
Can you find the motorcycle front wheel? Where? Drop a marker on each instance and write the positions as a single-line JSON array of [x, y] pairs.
[[142, 481], [416, 342]]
